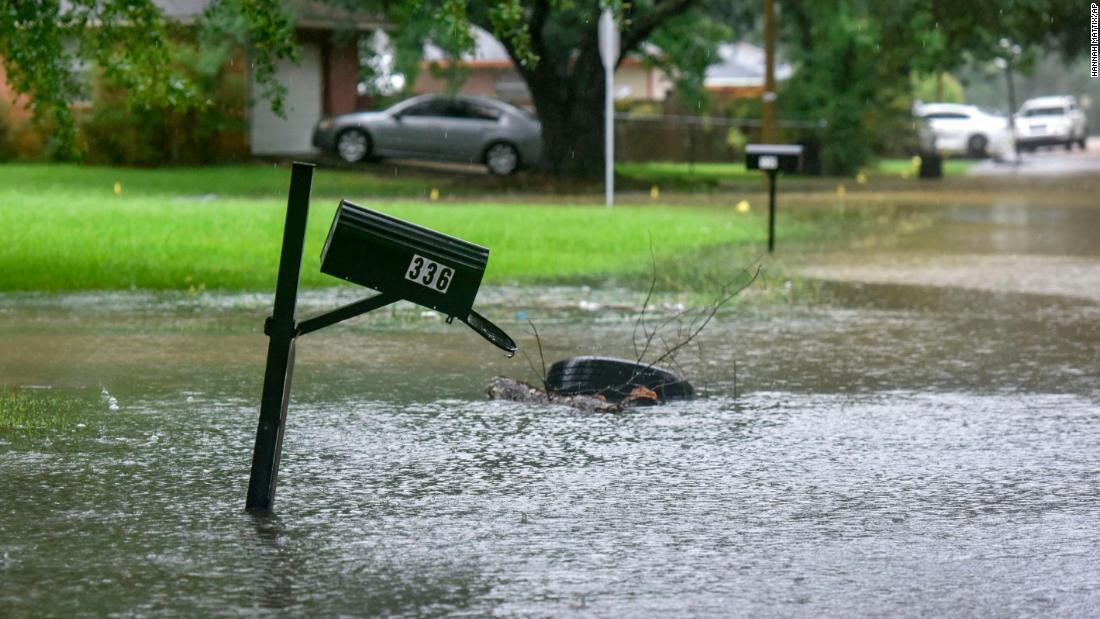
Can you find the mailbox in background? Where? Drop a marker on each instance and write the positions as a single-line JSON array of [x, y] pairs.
[[404, 260], [778, 157], [773, 158]]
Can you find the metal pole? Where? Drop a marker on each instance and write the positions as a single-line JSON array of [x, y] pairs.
[[767, 129], [609, 134], [771, 211], [280, 359], [1012, 111]]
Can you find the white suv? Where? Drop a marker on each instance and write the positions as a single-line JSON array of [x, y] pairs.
[[1047, 121], [966, 129]]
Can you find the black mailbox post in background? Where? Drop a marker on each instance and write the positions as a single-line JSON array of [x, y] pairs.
[[773, 158], [399, 259]]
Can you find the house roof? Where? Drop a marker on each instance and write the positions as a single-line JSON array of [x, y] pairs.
[[742, 64], [487, 52], [739, 64]]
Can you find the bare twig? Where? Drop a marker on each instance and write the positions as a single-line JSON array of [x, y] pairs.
[[677, 318], [709, 314], [706, 381], [645, 304], [735, 379], [542, 358], [693, 328]]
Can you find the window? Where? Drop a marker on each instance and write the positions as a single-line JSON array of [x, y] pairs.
[[1046, 111], [433, 107], [945, 116], [480, 111]]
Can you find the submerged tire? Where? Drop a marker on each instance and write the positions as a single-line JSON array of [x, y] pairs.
[[615, 379]]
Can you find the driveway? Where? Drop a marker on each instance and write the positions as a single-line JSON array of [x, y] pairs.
[[1051, 161]]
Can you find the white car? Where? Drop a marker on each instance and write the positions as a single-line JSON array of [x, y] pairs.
[[1048, 121], [967, 130]]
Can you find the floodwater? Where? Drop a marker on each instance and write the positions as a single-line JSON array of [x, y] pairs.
[[900, 444]]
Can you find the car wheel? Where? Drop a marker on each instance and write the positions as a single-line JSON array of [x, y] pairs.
[[1083, 143], [614, 379], [502, 158], [353, 145], [976, 146]]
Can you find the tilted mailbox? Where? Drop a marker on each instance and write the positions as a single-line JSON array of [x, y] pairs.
[[773, 158], [413, 262], [401, 260]]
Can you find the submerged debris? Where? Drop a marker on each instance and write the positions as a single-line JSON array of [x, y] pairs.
[[609, 384], [504, 388]]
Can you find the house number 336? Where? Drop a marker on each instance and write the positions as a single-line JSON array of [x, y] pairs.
[[428, 273]]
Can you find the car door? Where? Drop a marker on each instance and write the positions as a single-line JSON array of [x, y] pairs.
[[950, 128], [418, 130], [447, 129], [470, 124]]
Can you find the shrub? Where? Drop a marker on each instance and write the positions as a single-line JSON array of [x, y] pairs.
[[212, 130], [841, 79]]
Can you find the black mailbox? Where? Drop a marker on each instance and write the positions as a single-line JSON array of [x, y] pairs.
[[777, 157], [404, 260], [399, 259]]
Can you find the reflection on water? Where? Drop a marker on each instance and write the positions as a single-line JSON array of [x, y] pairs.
[[895, 450], [778, 502]]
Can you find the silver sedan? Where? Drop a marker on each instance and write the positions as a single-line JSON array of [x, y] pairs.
[[468, 129]]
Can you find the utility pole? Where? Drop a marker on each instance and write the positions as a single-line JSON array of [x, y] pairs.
[[609, 55], [1011, 54], [767, 129]]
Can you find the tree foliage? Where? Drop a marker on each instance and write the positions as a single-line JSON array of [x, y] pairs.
[[855, 59], [48, 45]]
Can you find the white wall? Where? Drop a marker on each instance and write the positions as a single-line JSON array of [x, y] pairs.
[[272, 135]]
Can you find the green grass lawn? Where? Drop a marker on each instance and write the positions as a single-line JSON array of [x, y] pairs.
[[228, 181], [908, 167], [33, 412], [65, 228]]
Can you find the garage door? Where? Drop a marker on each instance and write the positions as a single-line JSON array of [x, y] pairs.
[[271, 135]]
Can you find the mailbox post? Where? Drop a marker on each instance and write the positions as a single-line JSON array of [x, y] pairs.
[[773, 158], [399, 259]]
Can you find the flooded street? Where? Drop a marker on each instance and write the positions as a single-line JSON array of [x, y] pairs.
[[916, 438]]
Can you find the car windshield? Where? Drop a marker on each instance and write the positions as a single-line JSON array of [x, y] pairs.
[[526, 113], [1045, 111], [945, 116]]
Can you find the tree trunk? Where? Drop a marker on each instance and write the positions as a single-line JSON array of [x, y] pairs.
[[567, 82], [567, 88], [572, 128]]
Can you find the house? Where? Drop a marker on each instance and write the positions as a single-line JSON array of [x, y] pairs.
[[739, 72], [323, 81], [490, 72]]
